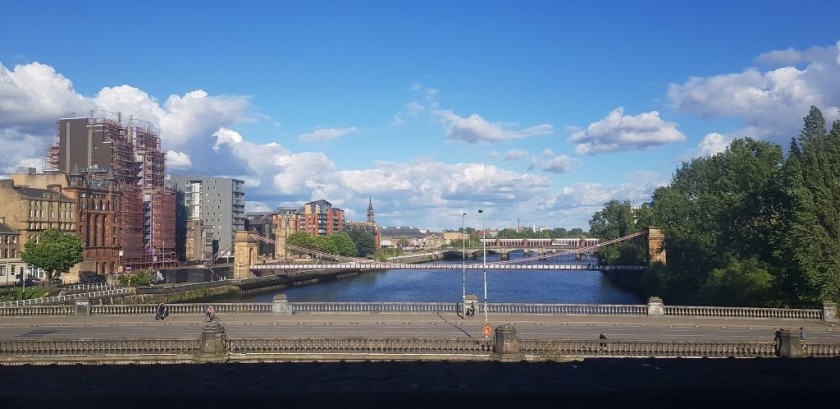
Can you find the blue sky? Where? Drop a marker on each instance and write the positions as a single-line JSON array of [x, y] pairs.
[[537, 112]]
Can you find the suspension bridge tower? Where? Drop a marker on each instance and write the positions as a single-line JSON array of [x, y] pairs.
[[244, 254]]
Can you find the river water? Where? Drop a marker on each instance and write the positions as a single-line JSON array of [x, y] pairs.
[[505, 286]]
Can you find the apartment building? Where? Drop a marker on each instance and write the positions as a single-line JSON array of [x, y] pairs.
[[212, 209]]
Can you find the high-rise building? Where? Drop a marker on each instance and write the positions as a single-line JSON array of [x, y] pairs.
[[213, 209], [320, 218], [132, 153]]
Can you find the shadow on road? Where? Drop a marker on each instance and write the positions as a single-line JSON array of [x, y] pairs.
[[454, 325]]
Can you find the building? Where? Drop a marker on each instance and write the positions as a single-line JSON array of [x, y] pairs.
[[262, 224], [97, 199], [132, 152], [29, 211], [320, 218], [369, 225], [284, 221], [213, 210], [10, 262]]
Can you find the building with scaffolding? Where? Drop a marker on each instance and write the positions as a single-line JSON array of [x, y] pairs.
[[131, 152]]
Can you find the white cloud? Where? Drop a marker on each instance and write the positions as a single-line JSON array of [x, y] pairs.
[[178, 160], [515, 154], [474, 129], [34, 93], [771, 103], [713, 144], [557, 164], [326, 134], [619, 132]]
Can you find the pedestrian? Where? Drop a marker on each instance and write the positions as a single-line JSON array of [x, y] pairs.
[[802, 334], [161, 312]]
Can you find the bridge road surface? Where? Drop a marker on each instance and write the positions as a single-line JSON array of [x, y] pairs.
[[404, 325]]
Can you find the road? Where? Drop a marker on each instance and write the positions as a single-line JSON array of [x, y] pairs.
[[442, 326]]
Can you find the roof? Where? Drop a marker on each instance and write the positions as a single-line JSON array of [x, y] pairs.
[[5, 229], [34, 193]]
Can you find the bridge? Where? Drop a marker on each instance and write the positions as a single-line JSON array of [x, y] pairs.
[[245, 244]]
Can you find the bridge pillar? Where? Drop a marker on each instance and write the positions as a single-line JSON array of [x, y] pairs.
[[656, 254], [244, 254], [212, 341], [829, 311], [788, 344], [280, 305], [656, 308], [506, 348], [82, 307]]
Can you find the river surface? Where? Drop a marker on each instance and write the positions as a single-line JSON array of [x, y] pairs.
[[521, 286]]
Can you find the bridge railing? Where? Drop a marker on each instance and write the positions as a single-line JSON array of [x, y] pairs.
[[670, 349], [275, 349], [415, 307], [743, 312]]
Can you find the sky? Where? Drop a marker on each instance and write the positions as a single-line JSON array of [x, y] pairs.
[[536, 112]]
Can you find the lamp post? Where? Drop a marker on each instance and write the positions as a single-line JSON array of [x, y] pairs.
[[484, 262], [463, 261]]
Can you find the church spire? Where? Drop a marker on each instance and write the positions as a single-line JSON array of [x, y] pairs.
[[370, 211]]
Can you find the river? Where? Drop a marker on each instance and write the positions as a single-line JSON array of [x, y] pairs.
[[503, 286]]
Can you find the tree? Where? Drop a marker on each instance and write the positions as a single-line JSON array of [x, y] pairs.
[[53, 251], [808, 245], [364, 241], [717, 210], [343, 244]]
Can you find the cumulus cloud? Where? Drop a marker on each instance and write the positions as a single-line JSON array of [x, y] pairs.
[[178, 160], [515, 154], [770, 102], [713, 144], [34, 93], [326, 134], [474, 129], [556, 164], [619, 132]]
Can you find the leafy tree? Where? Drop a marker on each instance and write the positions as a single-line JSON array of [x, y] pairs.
[[717, 210], [343, 244], [617, 219], [53, 251], [745, 282], [364, 241]]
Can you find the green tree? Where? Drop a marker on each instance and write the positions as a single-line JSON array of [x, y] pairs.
[[53, 251], [745, 282], [343, 244], [617, 219], [808, 245], [718, 210], [364, 241]]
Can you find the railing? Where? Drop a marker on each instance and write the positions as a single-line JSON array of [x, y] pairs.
[[360, 346], [614, 348], [38, 310], [180, 288], [416, 308], [98, 346], [261, 349], [60, 299], [742, 312]]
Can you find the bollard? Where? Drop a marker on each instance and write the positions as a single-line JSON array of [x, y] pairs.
[[829, 311], [280, 305], [82, 307], [655, 307], [506, 348]]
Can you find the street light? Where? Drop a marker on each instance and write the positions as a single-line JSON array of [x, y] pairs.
[[484, 263], [463, 262]]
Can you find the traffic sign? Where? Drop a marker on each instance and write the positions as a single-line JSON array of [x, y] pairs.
[[486, 330]]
